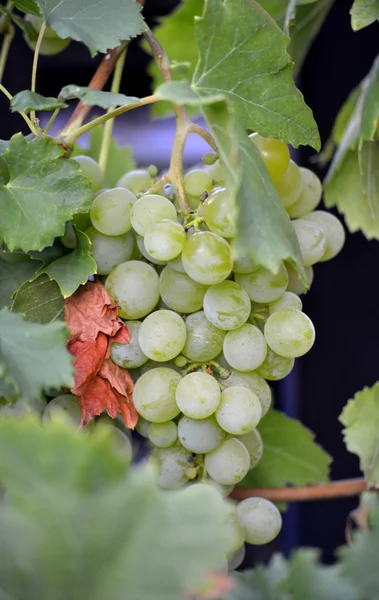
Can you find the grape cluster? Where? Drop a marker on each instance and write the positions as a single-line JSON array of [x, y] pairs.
[[209, 327]]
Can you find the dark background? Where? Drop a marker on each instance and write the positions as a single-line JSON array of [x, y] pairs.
[[344, 296]]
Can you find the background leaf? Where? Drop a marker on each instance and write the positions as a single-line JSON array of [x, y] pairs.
[[39, 301], [363, 13], [13, 274], [96, 97], [26, 101], [27, 6], [264, 582]]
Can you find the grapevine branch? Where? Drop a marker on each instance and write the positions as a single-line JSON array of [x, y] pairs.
[[334, 489], [7, 41]]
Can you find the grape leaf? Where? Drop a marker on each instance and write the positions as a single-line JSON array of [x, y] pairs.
[[264, 582], [26, 101], [33, 357], [27, 6], [44, 191], [290, 455], [363, 13], [360, 417], [14, 274], [99, 25], [258, 83], [39, 301], [73, 269], [96, 97]]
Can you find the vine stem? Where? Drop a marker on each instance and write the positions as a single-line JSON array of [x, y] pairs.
[[203, 133], [35, 63], [8, 38], [24, 116], [334, 489]]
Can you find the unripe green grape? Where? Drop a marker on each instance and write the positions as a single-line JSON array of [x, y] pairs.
[[260, 518], [311, 240], [209, 158], [207, 258], [244, 263], [37, 23], [217, 172], [200, 435], [152, 364], [154, 395], [179, 292], [110, 211], [220, 213], [295, 285], [262, 285], [204, 340], [165, 240], [236, 559], [137, 181], [253, 382], [332, 229], [149, 210], [174, 464], [108, 251], [198, 395], [275, 155], [134, 286], [141, 247], [275, 367], [245, 348], [254, 445], [163, 435], [177, 264], [228, 463], [227, 305], [310, 196], [240, 410], [90, 168], [129, 356], [120, 440], [196, 182], [162, 335], [288, 300], [49, 47], [236, 535], [289, 185], [65, 406], [289, 333], [142, 427], [68, 239]]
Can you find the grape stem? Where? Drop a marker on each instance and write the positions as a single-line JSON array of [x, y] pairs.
[[35, 64], [24, 116], [334, 489], [203, 133], [8, 38]]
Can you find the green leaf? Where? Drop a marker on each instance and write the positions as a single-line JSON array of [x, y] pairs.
[[96, 97], [26, 101], [181, 92], [360, 417], [99, 25], [40, 300], [33, 357], [290, 455], [265, 582], [7, 392], [14, 274], [72, 270], [45, 190], [27, 6], [258, 83], [363, 13]]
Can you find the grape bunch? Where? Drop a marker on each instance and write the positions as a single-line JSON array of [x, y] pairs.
[[209, 327]]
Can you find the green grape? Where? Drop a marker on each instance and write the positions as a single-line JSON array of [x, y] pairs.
[[200, 435], [198, 395], [152, 364], [174, 464], [275, 155], [108, 251], [149, 210], [209, 158], [176, 264], [236, 535], [90, 168], [262, 285], [120, 440], [223, 490], [68, 239], [244, 263], [207, 258], [179, 292], [254, 445], [216, 171], [260, 518], [37, 22], [220, 213], [65, 406], [332, 229], [275, 367], [289, 186], [295, 285], [137, 181], [144, 252], [162, 335], [288, 300], [253, 382], [289, 333], [311, 240], [196, 182], [240, 410], [204, 340], [227, 305], [165, 240], [134, 285], [245, 348], [142, 427], [163, 435], [110, 211], [154, 395], [236, 559], [49, 47], [228, 463], [310, 196], [129, 356]]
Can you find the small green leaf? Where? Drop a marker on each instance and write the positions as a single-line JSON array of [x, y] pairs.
[[99, 25], [290, 455], [14, 274], [363, 13], [96, 97], [72, 270], [27, 6], [361, 420], [39, 301], [26, 101], [33, 357], [45, 191], [264, 582]]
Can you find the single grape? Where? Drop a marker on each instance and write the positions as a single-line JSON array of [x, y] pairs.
[[253, 382], [288, 300], [163, 435], [227, 305], [295, 284], [108, 251], [243, 263], [174, 464], [207, 258], [275, 367], [90, 168], [245, 348], [198, 395], [209, 158], [223, 490], [220, 213], [275, 155], [110, 211], [129, 356], [217, 172], [49, 47], [239, 411], [134, 285], [137, 181], [120, 441], [144, 252], [200, 435], [289, 333], [262, 285], [176, 264], [289, 186], [204, 340], [165, 240], [152, 364], [236, 559], [149, 210], [236, 535], [37, 22], [311, 240], [228, 463], [180, 292], [260, 518], [196, 182], [332, 229], [254, 445], [65, 406], [154, 395], [68, 239], [142, 427], [162, 335], [310, 196]]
